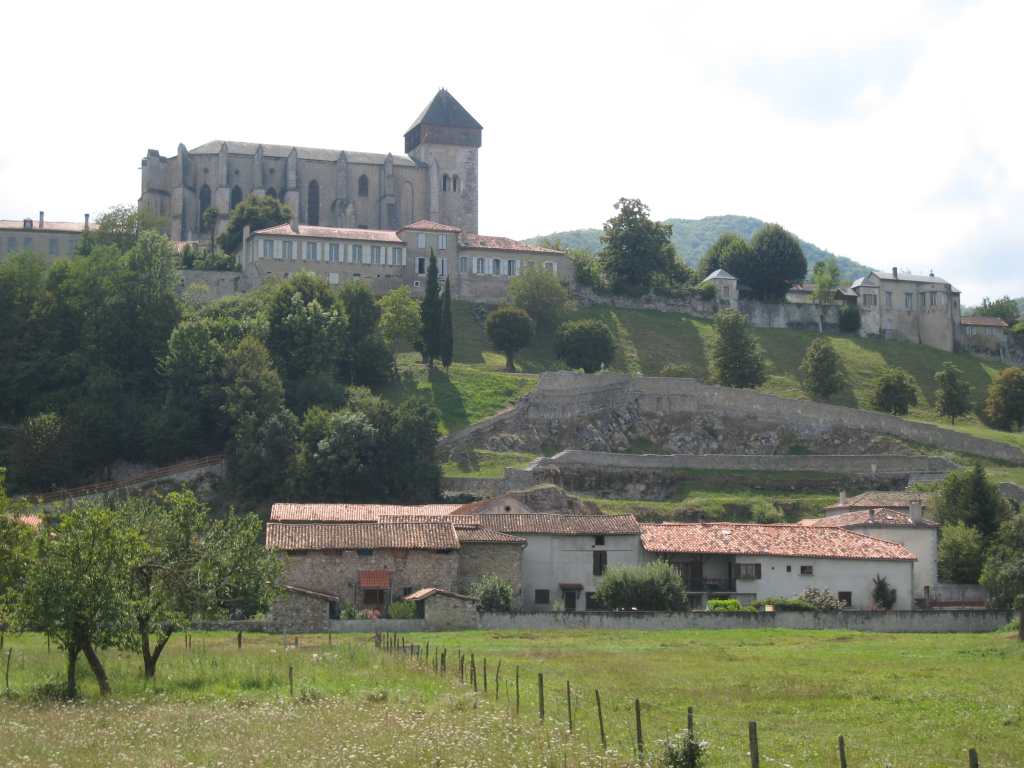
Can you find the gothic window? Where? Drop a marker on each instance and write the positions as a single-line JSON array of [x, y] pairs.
[[445, 182], [313, 204], [204, 203], [272, 193], [455, 183], [364, 186], [236, 195]]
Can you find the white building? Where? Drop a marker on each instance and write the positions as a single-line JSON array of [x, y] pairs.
[[726, 287], [750, 561], [923, 309]]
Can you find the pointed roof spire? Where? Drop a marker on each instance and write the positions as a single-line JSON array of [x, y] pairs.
[[444, 121]]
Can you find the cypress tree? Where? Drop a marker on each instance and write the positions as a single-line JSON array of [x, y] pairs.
[[447, 350], [430, 313]]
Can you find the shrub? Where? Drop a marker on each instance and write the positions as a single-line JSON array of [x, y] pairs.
[[736, 357], [960, 554], [402, 609], [677, 371], [725, 605], [894, 392], [707, 292], [820, 599], [509, 329], [1004, 402], [684, 751], [882, 594], [783, 604], [493, 594], [821, 371], [586, 344], [652, 587], [849, 319]]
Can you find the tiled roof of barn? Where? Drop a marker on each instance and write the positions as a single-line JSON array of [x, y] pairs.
[[880, 499], [479, 535], [992, 322], [353, 513], [768, 540], [303, 153], [307, 536]]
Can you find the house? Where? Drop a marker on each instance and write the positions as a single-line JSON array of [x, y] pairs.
[[985, 335], [444, 609], [923, 309], [726, 287], [803, 293], [52, 239], [751, 561]]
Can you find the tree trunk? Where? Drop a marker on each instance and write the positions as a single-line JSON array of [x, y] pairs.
[[72, 675], [1020, 629], [510, 366], [149, 659], [97, 668]]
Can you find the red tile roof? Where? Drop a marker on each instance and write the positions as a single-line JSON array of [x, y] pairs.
[[33, 521], [994, 322], [768, 540], [561, 525], [353, 513], [477, 535], [332, 233], [870, 518], [48, 226], [491, 243], [423, 594], [426, 225], [374, 579], [371, 535], [879, 499]]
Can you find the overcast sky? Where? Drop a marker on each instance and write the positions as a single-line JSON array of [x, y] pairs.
[[892, 133]]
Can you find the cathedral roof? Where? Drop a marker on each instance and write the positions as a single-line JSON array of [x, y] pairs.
[[445, 110], [303, 153]]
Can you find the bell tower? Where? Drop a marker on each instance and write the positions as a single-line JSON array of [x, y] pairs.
[[446, 139]]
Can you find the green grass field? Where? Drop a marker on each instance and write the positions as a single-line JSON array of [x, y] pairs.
[[908, 700]]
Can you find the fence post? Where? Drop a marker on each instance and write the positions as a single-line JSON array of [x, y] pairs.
[[639, 730], [462, 668], [972, 754], [600, 720], [7, 671], [291, 682], [568, 703], [755, 755], [472, 670], [540, 693], [842, 752], [485, 675], [497, 681], [239, 640], [689, 723], [517, 691]]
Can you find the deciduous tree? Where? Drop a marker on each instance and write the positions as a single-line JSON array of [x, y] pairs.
[[541, 295], [586, 344], [400, 317], [894, 392], [1003, 572], [778, 262], [256, 212], [826, 281], [635, 247], [953, 397], [510, 329], [729, 252], [961, 552], [821, 371], [736, 357], [1004, 402], [1005, 309]]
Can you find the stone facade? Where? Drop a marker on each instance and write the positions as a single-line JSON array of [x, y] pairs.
[[437, 179], [480, 559], [442, 611], [301, 611], [51, 239], [922, 309]]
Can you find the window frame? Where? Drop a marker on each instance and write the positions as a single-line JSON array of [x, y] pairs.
[[806, 570], [421, 239], [600, 561], [748, 571]]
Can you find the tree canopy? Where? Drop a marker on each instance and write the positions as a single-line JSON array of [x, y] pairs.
[[953, 397], [968, 496], [635, 248], [894, 392], [736, 357], [778, 263], [256, 212], [541, 295], [1005, 309], [1004, 402], [586, 344], [510, 329], [821, 371]]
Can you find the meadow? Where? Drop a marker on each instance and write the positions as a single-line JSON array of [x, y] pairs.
[[905, 700]]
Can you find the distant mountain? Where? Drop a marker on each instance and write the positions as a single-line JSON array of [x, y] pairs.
[[692, 237]]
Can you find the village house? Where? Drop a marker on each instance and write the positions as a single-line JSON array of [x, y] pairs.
[[803, 293], [751, 561], [984, 335], [923, 309], [51, 239], [726, 287]]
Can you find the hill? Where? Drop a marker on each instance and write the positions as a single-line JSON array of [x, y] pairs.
[[692, 237]]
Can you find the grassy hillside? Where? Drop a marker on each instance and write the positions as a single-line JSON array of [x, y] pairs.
[[692, 237], [648, 341]]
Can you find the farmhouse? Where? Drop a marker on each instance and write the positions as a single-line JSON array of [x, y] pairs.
[[986, 335], [750, 561]]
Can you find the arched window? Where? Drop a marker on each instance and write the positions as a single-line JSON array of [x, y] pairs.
[[236, 195], [272, 193], [455, 183], [204, 203], [445, 183], [313, 204], [364, 186]]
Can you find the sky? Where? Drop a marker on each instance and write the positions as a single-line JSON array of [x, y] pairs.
[[891, 133]]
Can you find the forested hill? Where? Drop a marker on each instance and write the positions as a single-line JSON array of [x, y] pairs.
[[692, 237]]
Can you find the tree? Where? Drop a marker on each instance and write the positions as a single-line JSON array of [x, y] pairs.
[[16, 555], [1003, 572], [400, 317], [882, 595], [1004, 402], [370, 361], [656, 586], [256, 212], [736, 358], [260, 453], [41, 454], [1005, 309], [430, 315], [252, 386], [635, 247], [190, 566], [969, 497], [586, 344], [541, 295], [308, 329], [778, 263], [447, 346], [894, 392], [493, 594], [961, 550], [826, 280], [821, 371], [120, 227], [209, 221], [849, 318], [954, 393], [510, 329], [729, 252], [78, 592], [361, 309]]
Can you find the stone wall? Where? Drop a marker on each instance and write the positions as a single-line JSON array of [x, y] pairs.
[[443, 612], [479, 559], [297, 612], [209, 285], [613, 412]]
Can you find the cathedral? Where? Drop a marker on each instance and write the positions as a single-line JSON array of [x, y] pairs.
[[435, 180]]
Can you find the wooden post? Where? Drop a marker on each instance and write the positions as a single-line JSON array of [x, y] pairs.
[[568, 703], [497, 678], [485, 675], [291, 682], [842, 752], [7, 671], [689, 723], [329, 639], [540, 693], [600, 720], [462, 668], [517, 691], [639, 730], [427, 654], [972, 754], [755, 755], [239, 641], [472, 669]]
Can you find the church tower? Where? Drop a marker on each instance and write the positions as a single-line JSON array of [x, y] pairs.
[[446, 139]]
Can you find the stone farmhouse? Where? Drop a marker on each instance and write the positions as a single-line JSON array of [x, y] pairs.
[[923, 309], [984, 335], [52, 239]]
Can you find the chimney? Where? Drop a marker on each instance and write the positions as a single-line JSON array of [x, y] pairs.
[[87, 222], [842, 498], [895, 274], [915, 511], [40, 219]]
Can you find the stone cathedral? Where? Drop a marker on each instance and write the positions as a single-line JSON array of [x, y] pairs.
[[436, 179]]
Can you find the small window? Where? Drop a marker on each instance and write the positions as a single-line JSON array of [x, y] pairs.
[[313, 252], [496, 267], [480, 266], [268, 249], [845, 599], [334, 610], [445, 182], [600, 562], [908, 300], [725, 291], [364, 186], [888, 299], [542, 596], [599, 540], [53, 246], [364, 552], [510, 267], [332, 253], [806, 570], [421, 240], [442, 242], [396, 257], [463, 264], [357, 254], [748, 571], [373, 597], [287, 250], [922, 301], [375, 254], [789, 569], [421, 265]]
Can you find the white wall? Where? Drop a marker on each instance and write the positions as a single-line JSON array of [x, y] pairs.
[[923, 542], [780, 577], [551, 560]]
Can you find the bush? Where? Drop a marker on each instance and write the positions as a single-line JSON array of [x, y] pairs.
[[783, 604], [849, 319], [541, 295], [725, 605], [894, 392], [509, 329], [960, 554], [707, 292], [402, 609], [1004, 401], [652, 587], [882, 594], [684, 751], [820, 599], [493, 594], [736, 357], [677, 371], [586, 344], [821, 371]]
